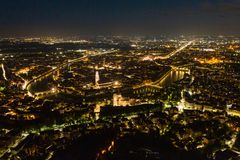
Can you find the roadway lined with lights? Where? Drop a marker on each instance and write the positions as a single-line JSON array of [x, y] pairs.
[[4, 72], [176, 51]]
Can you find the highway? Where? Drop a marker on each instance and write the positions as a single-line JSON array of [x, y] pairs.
[[176, 51]]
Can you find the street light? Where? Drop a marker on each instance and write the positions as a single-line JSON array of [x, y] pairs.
[[53, 90]]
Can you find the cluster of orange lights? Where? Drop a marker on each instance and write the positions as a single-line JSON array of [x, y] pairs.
[[210, 61], [233, 47], [25, 70]]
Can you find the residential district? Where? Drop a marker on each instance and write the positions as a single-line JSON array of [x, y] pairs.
[[120, 98]]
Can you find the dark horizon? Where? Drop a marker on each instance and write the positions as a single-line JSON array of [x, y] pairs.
[[106, 17]]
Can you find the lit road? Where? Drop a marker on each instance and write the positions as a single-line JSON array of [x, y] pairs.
[[176, 51], [4, 72], [15, 142], [114, 84]]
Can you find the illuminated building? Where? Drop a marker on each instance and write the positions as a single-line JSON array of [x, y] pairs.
[[97, 78]]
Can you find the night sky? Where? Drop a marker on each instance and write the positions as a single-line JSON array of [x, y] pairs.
[[118, 17]]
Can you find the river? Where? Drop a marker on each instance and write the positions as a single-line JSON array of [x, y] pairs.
[[172, 77]]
